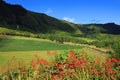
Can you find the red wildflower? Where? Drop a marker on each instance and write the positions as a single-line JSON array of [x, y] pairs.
[[3, 69], [83, 53], [54, 53], [33, 65], [95, 71], [24, 70], [106, 76], [108, 68], [41, 61], [72, 55], [44, 62], [56, 77], [118, 67], [108, 61], [112, 72], [60, 66], [114, 59], [9, 65], [118, 77], [79, 63], [98, 60], [15, 68], [70, 65], [38, 61]]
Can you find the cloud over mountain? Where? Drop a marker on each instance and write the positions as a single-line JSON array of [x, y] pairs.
[[69, 19]]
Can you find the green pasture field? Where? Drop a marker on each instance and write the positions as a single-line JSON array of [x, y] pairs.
[[25, 48], [31, 44], [27, 56]]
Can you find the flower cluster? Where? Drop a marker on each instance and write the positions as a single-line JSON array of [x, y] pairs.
[[75, 67]]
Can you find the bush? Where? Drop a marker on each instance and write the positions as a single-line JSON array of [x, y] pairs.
[[116, 48]]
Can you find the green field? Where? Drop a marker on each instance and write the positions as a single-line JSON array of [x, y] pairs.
[[26, 48], [31, 44], [23, 55], [27, 56]]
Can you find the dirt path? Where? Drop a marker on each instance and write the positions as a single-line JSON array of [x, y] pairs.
[[91, 47]]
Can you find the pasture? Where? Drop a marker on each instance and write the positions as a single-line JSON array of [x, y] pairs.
[[10, 43], [25, 48]]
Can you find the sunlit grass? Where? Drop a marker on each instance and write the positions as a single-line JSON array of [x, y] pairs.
[[31, 44]]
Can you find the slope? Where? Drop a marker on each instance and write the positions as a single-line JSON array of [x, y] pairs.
[[16, 17]]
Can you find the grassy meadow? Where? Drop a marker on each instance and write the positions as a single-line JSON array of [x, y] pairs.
[[8, 43], [26, 48], [42, 59]]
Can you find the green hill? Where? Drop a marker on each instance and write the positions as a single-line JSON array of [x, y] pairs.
[[108, 28], [17, 18]]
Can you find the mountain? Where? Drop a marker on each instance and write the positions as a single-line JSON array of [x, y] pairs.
[[108, 28], [14, 16], [18, 18]]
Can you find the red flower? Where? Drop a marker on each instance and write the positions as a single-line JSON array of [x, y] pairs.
[[15, 68], [33, 65], [55, 53], [3, 69], [108, 68], [118, 67], [56, 77], [108, 61], [98, 61], [95, 71], [118, 77], [70, 65], [44, 62], [24, 70], [72, 55], [83, 53], [114, 59], [60, 66], [52, 53]]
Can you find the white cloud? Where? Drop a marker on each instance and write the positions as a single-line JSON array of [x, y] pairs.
[[49, 11], [69, 19], [95, 21]]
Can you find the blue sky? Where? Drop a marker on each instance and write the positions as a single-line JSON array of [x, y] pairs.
[[77, 11]]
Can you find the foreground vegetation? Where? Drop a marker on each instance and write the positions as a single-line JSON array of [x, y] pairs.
[[73, 66]]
